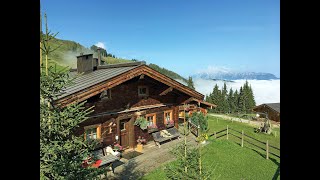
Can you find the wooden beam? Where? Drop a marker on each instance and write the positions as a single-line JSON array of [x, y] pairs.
[[166, 91]]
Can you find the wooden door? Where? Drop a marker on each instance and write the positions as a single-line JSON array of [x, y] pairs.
[[124, 133]]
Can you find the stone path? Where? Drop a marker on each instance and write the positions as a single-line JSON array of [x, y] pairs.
[[152, 158]]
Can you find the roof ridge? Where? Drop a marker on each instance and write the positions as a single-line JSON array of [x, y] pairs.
[[121, 65]]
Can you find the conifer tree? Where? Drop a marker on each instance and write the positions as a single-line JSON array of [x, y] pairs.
[[190, 83], [231, 102], [236, 101], [224, 99], [252, 102], [241, 101], [215, 98], [61, 152]]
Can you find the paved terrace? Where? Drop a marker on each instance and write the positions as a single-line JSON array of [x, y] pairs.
[[152, 158]]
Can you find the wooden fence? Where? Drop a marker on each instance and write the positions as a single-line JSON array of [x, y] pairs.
[[243, 139], [194, 129]]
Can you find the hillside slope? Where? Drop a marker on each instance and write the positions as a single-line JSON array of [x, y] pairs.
[[66, 54]]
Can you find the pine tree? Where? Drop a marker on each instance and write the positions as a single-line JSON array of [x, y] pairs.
[[246, 93], [61, 152], [188, 164], [224, 99], [241, 101], [215, 98], [190, 83], [231, 102], [236, 101], [252, 102]]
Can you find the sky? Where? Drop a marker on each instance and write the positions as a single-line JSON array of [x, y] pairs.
[[185, 36]]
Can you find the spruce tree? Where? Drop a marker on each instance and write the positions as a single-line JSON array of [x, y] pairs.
[[236, 101], [241, 101], [252, 102], [246, 96], [215, 98], [231, 102], [61, 152], [190, 83], [224, 99]]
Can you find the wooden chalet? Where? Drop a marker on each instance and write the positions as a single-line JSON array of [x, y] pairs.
[[272, 109], [122, 92]]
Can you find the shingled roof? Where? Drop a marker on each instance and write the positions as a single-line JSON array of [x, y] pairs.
[[108, 76], [95, 77]]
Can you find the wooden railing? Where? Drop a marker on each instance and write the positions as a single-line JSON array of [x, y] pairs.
[[243, 139], [194, 129]]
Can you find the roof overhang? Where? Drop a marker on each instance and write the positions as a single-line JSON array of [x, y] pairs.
[[200, 103]]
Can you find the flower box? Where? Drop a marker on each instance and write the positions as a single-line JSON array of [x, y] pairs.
[[170, 123], [152, 128]]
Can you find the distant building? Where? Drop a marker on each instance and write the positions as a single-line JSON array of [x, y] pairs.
[[272, 109]]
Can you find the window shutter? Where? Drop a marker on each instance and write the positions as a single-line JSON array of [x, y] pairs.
[[99, 132]]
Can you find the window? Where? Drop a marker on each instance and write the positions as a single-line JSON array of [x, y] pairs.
[[167, 116], [106, 94], [151, 118], [122, 126], [143, 91], [92, 132]]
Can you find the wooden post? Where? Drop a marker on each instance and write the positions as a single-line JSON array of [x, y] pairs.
[[215, 134], [267, 149], [185, 136], [227, 132], [242, 139]]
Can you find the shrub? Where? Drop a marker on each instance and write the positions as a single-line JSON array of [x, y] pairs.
[[200, 119], [141, 122]]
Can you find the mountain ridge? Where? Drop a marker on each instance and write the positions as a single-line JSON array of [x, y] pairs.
[[229, 76]]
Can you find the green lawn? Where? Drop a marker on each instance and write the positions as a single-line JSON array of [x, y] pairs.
[[217, 124], [231, 160]]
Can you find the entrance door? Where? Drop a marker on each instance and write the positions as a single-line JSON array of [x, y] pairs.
[[124, 133]]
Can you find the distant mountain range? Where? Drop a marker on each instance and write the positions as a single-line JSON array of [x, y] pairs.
[[228, 76]]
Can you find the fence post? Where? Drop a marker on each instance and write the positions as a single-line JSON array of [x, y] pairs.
[[215, 134], [227, 132], [267, 149], [242, 139]]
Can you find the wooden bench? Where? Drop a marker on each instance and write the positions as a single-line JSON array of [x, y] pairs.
[[105, 159], [159, 139]]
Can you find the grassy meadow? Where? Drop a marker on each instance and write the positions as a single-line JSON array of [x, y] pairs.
[[231, 161]]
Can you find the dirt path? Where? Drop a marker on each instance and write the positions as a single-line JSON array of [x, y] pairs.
[[252, 123]]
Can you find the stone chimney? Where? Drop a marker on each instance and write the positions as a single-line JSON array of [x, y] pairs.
[[85, 63]]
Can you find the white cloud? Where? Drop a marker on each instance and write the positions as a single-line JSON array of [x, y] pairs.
[[215, 69], [101, 45], [265, 91]]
